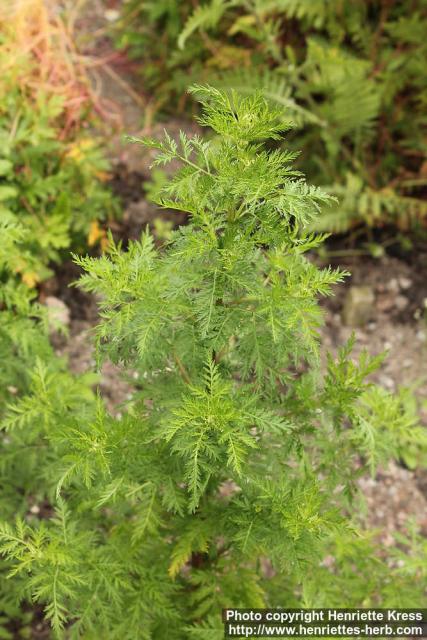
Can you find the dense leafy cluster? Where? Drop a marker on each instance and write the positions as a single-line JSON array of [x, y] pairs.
[[52, 174], [32, 373], [351, 74], [219, 483]]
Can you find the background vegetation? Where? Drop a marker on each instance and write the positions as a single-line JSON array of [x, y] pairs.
[[351, 75], [52, 168]]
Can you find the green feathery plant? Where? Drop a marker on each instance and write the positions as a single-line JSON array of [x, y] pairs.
[[352, 76], [36, 382], [52, 173], [230, 476]]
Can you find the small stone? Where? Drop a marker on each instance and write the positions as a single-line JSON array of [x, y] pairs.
[[111, 15], [328, 561], [387, 382], [388, 540], [393, 285], [421, 336], [385, 303], [139, 213], [35, 509], [407, 363], [401, 302], [58, 313], [405, 283], [387, 345], [358, 306]]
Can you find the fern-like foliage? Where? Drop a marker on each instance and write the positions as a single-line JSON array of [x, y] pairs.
[[203, 17], [227, 452]]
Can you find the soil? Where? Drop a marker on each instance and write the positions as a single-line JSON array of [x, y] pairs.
[[397, 325]]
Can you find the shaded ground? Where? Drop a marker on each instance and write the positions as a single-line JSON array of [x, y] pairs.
[[398, 326]]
